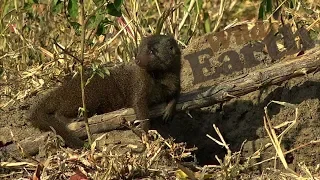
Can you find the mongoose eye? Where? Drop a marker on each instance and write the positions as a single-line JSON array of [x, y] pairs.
[[151, 52]]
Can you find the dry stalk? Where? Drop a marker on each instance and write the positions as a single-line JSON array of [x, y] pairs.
[[276, 139]]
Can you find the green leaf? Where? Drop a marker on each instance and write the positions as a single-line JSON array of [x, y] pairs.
[[268, 6], [100, 73], [261, 10], [207, 23], [117, 4], [73, 8], [106, 71], [94, 21], [112, 10], [27, 7], [76, 26], [101, 29], [57, 6]]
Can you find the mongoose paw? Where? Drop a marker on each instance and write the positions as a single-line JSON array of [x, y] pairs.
[[169, 111]]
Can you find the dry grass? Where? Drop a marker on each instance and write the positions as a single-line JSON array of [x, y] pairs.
[[31, 61], [105, 163]]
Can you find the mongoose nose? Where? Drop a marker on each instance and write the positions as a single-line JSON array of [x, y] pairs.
[[137, 60]]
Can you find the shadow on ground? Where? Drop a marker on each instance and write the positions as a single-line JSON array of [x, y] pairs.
[[241, 120]]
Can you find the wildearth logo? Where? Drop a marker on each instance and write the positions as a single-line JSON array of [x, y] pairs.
[[240, 48]]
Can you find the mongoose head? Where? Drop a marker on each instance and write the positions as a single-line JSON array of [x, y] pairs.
[[158, 53]]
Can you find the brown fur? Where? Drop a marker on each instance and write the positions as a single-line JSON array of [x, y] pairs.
[[155, 78]]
